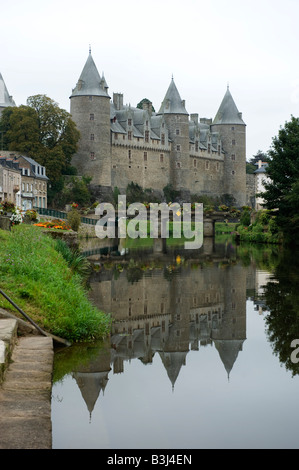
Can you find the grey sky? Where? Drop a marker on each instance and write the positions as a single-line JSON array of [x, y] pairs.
[[250, 45]]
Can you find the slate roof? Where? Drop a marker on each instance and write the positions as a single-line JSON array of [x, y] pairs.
[[90, 82], [34, 164], [262, 169], [5, 98], [228, 112], [172, 103]]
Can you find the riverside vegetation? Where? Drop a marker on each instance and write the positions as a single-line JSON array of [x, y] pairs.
[[262, 227], [46, 279]]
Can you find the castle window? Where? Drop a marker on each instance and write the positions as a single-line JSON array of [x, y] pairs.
[[115, 136], [129, 154], [163, 139], [209, 148], [92, 156], [233, 156], [217, 166], [207, 165], [233, 128], [91, 136], [233, 172], [178, 164], [129, 122], [91, 117], [196, 146], [218, 149], [233, 142], [161, 158], [177, 131], [178, 147], [145, 156], [146, 136], [146, 123], [130, 135], [194, 163]]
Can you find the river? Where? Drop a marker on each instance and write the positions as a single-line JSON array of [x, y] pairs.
[[199, 357]]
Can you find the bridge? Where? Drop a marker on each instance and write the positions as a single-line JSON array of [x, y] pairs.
[[209, 220]]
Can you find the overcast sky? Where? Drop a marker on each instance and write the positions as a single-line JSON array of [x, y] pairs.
[[250, 45]]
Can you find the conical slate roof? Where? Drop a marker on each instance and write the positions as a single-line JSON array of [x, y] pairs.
[[172, 103], [228, 351], [228, 112], [90, 81], [5, 99]]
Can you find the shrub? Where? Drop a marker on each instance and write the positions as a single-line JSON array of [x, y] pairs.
[[245, 218], [74, 219]]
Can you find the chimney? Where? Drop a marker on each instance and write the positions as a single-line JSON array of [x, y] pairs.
[[148, 106], [118, 101]]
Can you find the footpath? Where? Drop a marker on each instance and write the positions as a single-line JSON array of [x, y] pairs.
[[26, 368]]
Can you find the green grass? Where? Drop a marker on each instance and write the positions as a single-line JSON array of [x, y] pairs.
[[222, 227], [41, 281]]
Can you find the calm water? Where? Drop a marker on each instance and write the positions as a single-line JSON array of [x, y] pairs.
[[199, 354]]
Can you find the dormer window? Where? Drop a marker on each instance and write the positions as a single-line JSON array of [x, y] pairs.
[[129, 122]]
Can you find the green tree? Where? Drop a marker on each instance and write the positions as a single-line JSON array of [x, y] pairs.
[[282, 192], [145, 100], [251, 164], [44, 132]]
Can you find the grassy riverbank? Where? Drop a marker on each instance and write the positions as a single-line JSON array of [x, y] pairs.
[[37, 277]]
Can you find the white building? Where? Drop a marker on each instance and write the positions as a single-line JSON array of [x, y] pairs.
[[261, 179]]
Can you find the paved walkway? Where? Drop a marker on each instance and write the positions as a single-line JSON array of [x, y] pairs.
[[25, 392]]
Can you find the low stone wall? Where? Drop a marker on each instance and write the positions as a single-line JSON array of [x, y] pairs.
[[5, 223]]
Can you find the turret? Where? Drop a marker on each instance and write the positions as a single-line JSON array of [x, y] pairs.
[[232, 131], [90, 110], [5, 99], [177, 122]]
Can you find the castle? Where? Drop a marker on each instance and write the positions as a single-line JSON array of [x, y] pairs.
[[120, 144]]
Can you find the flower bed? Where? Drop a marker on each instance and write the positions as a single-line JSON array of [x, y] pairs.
[[56, 224]]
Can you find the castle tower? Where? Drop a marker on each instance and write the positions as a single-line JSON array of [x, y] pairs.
[[177, 122], [232, 130], [90, 110], [5, 99]]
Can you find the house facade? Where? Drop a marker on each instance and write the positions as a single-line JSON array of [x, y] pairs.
[[22, 181], [10, 181], [260, 179], [34, 183]]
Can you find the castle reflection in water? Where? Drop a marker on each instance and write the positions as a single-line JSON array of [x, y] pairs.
[[169, 310]]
